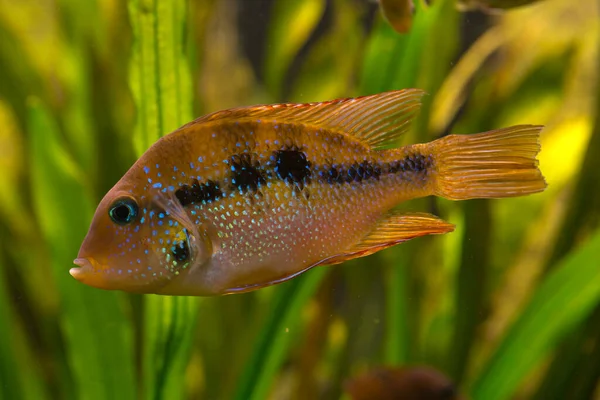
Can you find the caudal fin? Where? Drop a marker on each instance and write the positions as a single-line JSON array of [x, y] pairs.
[[499, 163]]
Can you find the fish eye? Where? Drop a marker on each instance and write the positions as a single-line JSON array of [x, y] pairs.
[[181, 248], [123, 211]]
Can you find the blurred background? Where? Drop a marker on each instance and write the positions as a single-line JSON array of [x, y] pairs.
[[507, 306]]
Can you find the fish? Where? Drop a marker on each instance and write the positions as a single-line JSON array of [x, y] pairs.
[[249, 197], [408, 382]]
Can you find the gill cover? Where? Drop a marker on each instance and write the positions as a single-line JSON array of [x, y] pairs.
[[184, 248]]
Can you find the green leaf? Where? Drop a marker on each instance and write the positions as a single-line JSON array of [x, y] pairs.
[[275, 337], [97, 334], [327, 74], [420, 58], [396, 61], [582, 215], [382, 56], [471, 292], [291, 25], [159, 76], [161, 85], [170, 325], [398, 334], [11, 165], [561, 303], [12, 385]]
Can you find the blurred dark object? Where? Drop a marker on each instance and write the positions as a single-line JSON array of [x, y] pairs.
[[398, 13], [491, 4], [414, 383]]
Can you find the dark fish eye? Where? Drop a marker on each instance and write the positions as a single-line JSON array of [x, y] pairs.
[[181, 249], [123, 211]]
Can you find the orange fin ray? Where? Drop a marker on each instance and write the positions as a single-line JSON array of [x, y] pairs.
[[393, 229], [376, 120], [494, 164]]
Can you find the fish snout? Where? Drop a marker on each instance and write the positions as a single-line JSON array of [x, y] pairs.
[[95, 273], [86, 272], [82, 265]]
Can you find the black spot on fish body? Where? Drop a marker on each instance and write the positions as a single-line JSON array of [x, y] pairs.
[[197, 192], [245, 173], [210, 191], [333, 175], [356, 172], [368, 170], [361, 172], [397, 166], [376, 173], [421, 163], [293, 167], [351, 174], [412, 163]]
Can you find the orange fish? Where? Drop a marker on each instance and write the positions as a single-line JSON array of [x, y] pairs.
[[249, 197], [414, 383]]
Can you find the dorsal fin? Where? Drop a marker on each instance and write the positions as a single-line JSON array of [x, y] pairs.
[[376, 120]]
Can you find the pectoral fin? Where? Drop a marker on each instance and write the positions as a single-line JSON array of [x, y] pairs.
[[391, 230]]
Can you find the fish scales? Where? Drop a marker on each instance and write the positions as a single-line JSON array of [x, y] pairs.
[[250, 197], [281, 221], [331, 157]]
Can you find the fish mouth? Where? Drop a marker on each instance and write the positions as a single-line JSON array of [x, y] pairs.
[[90, 273], [83, 269]]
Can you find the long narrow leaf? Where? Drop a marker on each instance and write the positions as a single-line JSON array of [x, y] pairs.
[[12, 386], [98, 335], [275, 338], [398, 332], [291, 26], [470, 297], [583, 215], [562, 301], [396, 61], [161, 85], [159, 75]]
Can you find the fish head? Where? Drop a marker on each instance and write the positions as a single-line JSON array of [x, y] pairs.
[[139, 243]]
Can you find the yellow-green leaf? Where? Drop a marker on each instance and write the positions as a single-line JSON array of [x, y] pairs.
[[97, 334], [559, 305]]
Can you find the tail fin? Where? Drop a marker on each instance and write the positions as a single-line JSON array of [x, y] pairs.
[[499, 163]]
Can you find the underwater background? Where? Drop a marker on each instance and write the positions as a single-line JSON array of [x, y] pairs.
[[507, 306]]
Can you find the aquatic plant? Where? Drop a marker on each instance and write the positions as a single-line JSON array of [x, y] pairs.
[[506, 306]]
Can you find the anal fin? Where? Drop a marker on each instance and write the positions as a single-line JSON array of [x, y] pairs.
[[393, 229]]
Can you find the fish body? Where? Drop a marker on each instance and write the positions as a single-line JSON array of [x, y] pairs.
[[249, 197]]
